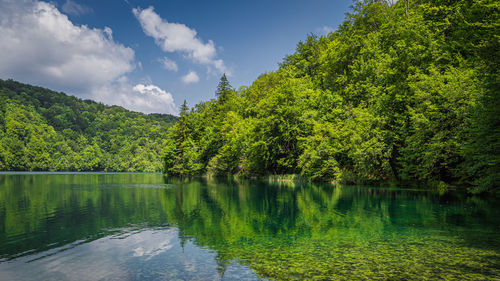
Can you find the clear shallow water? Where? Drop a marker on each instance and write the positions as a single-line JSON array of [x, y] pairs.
[[147, 227]]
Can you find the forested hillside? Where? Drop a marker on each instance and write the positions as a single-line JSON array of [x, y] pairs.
[[42, 130], [405, 93]]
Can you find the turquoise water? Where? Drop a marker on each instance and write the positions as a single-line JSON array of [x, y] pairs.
[[148, 227]]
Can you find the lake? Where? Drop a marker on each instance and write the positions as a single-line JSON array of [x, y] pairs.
[[67, 226]]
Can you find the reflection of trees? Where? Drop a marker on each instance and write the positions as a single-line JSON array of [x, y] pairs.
[[38, 212], [281, 231], [310, 230]]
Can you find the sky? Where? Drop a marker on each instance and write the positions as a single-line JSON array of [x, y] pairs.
[[151, 55]]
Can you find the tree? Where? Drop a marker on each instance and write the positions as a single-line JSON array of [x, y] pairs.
[[224, 89]]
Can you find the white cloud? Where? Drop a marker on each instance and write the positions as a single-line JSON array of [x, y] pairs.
[[147, 98], [177, 37], [191, 77], [154, 100], [325, 30], [73, 8], [41, 46], [169, 64]]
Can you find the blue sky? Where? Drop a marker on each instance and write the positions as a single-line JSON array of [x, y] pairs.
[[150, 55]]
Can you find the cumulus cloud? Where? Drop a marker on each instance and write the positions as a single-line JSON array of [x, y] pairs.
[[169, 64], [191, 77], [325, 30], [154, 99], [41, 46], [73, 8], [147, 97], [177, 37]]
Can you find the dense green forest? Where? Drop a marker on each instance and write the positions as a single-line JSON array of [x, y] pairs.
[[42, 130], [405, 92]]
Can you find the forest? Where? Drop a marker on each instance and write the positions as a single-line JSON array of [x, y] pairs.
[[43, 130], [404, 92]]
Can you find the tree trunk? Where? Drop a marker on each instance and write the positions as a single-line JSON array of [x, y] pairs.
[[407, 8]]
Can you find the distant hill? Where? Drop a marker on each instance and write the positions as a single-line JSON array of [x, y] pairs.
[[43, 130]]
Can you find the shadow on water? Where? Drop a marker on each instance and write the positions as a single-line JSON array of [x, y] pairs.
[[279, 230]]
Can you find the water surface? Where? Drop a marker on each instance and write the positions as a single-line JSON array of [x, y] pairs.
[[148, 227]]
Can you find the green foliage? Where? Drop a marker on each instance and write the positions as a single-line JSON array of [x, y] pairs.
[[440, 107], [41, 130], [404, 92]]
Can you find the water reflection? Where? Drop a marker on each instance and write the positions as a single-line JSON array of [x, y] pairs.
[[137, 255], [140, 226]]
